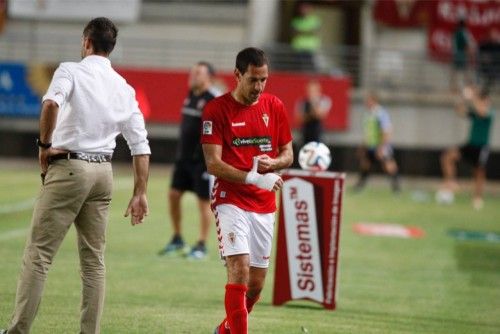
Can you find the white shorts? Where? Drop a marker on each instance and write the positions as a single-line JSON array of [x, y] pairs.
[[245, 232]]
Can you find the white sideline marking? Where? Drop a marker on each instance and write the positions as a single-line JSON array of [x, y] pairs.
[[27, 204], [21, 232], [17, 206]]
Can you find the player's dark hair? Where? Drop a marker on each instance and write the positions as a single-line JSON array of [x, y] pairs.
[[102, 32], [209, 66], [250, 56]]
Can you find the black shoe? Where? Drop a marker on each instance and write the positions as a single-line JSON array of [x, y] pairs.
[[198, 252], [175, 246], [395, 184]]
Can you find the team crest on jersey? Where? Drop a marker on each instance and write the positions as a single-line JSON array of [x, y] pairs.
[[265, 118], [231, 237], [207, 127]]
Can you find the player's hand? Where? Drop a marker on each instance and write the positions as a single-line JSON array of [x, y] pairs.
[[278, 184], [137, 209], [266, 163], [43, 158], [268, 181], [468, 93]]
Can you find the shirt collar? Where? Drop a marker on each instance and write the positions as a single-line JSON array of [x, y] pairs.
[[97, 59]]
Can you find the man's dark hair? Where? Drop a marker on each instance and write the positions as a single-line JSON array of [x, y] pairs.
[[209, 66], [250, 56], [102, 32]]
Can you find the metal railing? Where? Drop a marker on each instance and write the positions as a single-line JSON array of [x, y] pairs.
[[390, 69]]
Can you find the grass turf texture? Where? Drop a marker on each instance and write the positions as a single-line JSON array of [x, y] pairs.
[[387, 285]]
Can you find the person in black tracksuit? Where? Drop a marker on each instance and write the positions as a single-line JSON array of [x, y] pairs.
[[190, 173]]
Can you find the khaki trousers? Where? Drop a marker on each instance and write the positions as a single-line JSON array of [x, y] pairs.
[[78, 192]]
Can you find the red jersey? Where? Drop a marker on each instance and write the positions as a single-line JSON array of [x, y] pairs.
[[244, 132]]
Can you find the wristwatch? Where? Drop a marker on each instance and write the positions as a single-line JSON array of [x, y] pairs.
[[43, 145]]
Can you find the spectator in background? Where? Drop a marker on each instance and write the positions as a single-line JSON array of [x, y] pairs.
[[463, 46], [377, 143], [305, 41], [476, 105], [190, 172], [311, 111], [489, 58]]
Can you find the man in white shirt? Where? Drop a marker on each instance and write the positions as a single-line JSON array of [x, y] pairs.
[[86, 106]]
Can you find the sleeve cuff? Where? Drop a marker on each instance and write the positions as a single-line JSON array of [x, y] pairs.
[[140, 150], [57, 98]]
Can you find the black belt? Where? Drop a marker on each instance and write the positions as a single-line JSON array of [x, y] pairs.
[[90, 157]]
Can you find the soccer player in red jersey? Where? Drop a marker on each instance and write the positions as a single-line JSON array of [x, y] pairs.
[[246, 137]]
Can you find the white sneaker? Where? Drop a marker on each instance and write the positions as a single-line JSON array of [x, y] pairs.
[[477, 203], [445, 196]]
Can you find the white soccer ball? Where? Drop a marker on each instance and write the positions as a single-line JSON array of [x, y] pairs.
[[314, 156], [444, 196]]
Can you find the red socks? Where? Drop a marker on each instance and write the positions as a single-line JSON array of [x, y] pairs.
[[249, 303], [236, 311]]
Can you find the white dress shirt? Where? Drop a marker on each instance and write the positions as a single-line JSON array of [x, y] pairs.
[[95, 105]]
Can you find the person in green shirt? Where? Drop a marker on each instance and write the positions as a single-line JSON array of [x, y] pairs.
[[305, 41], [475, 104], [377, 129]]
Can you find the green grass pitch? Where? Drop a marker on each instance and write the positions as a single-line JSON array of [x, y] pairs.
[[386, 285]]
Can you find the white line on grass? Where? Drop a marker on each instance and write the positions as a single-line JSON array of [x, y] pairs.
[[17, 206], [27, 204], [8, 208], [20, 232]]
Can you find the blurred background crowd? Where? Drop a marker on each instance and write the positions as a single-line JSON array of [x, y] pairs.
[[417, 56]]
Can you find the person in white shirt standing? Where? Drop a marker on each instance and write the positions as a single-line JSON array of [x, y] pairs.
[[86, 106]]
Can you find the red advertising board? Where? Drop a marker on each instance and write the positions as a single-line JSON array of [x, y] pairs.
[[308, 237], [480, 17], [402, 14], [441, 18], [161, 93]]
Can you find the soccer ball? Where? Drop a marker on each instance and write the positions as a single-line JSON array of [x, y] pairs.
[[314, 156]]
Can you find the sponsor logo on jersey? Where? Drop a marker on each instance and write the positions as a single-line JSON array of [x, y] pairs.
[[251, 141], [207, 127], [265, 118], [237, 124], [266, 148]]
